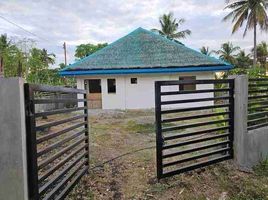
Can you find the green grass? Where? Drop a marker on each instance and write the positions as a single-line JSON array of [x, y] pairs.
[[247, 190], [134, 127], [262, 168]]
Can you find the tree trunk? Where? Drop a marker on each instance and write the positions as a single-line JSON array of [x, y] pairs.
[[255, 43]]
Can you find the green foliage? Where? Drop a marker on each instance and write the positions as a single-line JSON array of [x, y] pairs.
[[243, 60], [227, 52], [256, 72], [205, 50], [84, 50], [33, 65], [250, 192], [135, 127], [250, 11], [221, 117], [252, 72], [262, 168], [49, 77], [262, 53], [170, 27]]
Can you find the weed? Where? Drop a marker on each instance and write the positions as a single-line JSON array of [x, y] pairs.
[[262, 168]]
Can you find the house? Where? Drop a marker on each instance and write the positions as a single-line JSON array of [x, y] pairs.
[[122, 75]]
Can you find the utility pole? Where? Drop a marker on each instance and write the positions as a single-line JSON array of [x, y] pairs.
[[1, 68], [65, 54]]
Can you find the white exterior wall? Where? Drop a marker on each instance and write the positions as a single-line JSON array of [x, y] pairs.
[[141, 95]]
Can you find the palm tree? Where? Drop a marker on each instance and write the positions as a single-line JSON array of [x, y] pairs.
[[253, 12], [262, 53], [47, 58], [170, 26], [205, 50], [243, 60], [227, 52]]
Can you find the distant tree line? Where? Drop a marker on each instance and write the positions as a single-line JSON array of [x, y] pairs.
[[243, 62], [22, 59]]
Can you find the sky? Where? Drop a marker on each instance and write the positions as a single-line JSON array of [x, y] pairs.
[[54, 22]]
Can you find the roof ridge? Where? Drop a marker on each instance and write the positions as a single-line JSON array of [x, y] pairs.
[[97, 52]]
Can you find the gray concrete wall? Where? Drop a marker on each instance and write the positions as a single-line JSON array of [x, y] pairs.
[[13, 171], [257, 146], [250, 147]]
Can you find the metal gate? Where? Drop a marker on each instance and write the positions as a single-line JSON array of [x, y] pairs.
[[57, 140], [194, 124]]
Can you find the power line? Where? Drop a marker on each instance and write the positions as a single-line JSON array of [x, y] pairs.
[[23, 28], [13, 23]]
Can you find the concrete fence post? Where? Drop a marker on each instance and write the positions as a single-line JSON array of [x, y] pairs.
[[13, 162], [240, 120]]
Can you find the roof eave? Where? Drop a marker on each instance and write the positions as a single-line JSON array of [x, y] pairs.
[[145, 70]]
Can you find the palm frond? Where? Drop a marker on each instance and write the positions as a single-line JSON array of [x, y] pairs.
[[182, 34]]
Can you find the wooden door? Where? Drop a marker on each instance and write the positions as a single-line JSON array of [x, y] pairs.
[[94, 94]]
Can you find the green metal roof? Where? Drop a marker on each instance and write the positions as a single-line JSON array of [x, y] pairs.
[[144, 49]]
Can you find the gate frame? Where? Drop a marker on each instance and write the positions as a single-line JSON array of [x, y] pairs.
[[31, 139], [158, 119]]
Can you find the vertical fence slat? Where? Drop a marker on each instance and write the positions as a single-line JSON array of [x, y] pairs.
[[86, 128], [31, 143], [159, 138], [231, 138]]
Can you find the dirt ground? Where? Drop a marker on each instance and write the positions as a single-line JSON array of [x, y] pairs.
[[123, 166]]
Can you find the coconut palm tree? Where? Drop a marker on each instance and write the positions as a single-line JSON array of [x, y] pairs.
[[170, 27], [227, 52], [47, 58], [251, 12], [243, 60], [262, 53], [205, 50]]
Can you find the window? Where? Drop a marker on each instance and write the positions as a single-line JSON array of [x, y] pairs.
[[133, 81], [187, 86], [94, 86], [111, 85]]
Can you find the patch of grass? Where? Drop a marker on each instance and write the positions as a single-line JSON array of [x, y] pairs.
[[250, 191], [262, 168], [134, 127]]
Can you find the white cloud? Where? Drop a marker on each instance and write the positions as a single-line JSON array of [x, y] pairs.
[[94, 21]]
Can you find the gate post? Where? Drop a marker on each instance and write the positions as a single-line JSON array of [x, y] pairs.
[[159, 139], [240, 120], [13, 162]]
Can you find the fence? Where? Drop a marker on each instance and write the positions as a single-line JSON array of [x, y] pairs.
[[257, 103], [190, 144], [54, 106], [57, 142]]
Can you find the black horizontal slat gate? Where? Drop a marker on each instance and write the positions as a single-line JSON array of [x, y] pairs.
[[57, 140], [194, 126]]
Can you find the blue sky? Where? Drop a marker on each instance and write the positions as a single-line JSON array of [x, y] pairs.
[[95, 21]]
